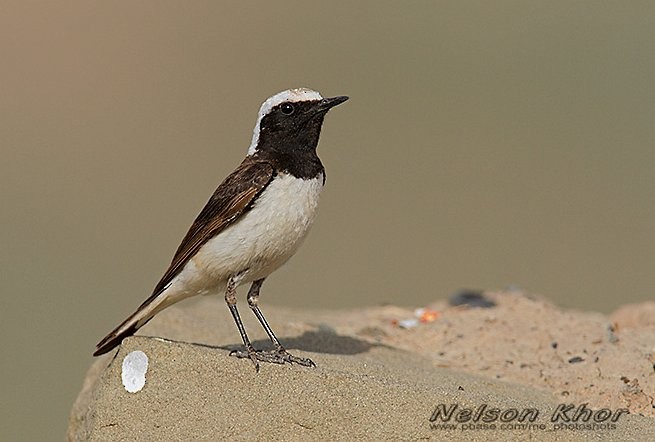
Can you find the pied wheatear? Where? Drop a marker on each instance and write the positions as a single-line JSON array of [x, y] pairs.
[[252, 224]]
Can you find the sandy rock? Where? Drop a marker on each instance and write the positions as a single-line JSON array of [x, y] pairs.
[[373, 380]]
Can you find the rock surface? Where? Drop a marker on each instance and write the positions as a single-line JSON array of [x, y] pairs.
[[375, 380]]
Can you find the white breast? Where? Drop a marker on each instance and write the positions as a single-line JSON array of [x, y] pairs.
[[266, 236]]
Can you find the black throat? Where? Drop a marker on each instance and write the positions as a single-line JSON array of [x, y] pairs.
[[289, 142]]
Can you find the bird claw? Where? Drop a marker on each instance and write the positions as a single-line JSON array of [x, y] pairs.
[[278, 356]]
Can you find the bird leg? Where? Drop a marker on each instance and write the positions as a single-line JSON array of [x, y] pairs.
[[279, 355], [231, 300]]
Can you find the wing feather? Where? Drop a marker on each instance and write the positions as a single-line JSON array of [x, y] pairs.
[[233, 197]]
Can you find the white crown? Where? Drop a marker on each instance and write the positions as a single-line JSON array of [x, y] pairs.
[[290, 95]]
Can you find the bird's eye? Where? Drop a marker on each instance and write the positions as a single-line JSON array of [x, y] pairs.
[[287, 108]]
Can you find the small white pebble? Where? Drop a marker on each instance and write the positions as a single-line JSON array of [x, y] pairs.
[[135, 366], [408, 323]]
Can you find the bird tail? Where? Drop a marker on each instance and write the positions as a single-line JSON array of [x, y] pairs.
[[145, 312]]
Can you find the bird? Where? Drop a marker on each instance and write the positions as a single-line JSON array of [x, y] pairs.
[[255, 220]]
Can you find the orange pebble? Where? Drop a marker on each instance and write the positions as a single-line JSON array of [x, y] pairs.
[[429, 315]]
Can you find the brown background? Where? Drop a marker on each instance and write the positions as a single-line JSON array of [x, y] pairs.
[[485, 144]]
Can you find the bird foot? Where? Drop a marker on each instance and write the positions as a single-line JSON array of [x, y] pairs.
[[278, 356]]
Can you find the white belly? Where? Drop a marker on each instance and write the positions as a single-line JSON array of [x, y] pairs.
[[261, 240]]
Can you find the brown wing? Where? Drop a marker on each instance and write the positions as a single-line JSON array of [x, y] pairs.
[[233, 197]]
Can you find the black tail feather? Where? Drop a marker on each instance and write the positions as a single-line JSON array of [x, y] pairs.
[[114, 338]]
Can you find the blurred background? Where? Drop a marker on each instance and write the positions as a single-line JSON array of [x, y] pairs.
[[485, 145]]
